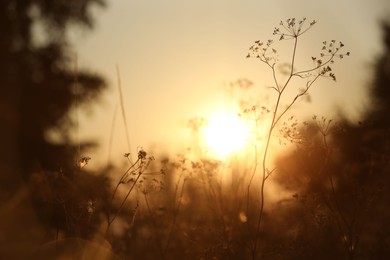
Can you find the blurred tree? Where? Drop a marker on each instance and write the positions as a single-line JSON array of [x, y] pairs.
[[341, 180], [38, 84]]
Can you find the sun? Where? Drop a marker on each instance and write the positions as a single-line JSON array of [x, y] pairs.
[[225, 134]]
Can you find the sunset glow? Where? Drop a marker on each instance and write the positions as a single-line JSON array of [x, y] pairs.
[[225, 134]]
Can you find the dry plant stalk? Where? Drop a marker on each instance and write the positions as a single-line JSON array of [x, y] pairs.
[[290, 29]]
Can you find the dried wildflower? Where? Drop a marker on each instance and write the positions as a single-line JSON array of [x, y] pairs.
[[263, 52], [142, 155], [292, 28], [329, 52], [84, 161], [289, 131]]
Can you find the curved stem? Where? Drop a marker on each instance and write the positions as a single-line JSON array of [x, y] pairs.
[[254, 168], [265, 155], [295, 99], [175, 213], [121, 181], [156, 233], [317, 67], [110, 221]]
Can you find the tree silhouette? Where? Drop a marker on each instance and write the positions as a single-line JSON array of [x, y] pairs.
[[38, 84], [339, 179]]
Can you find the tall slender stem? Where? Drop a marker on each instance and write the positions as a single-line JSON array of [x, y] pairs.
[[265, 155]]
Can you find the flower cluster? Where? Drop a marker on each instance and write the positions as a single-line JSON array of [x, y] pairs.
[[332, 49], [289, 131], [323, 124], [264, 52], [254, 112], [263, 110], [148, 185], [138, 168], [141, 154], [292, 28], [84, 161], [329, 51]]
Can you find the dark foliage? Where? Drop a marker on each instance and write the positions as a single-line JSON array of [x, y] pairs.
[[340, 181], [37, 93], [37, 84]]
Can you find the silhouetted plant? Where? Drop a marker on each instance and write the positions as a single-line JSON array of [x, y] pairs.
[[341, 179], [291, 29], [133, 176], [37, 97]]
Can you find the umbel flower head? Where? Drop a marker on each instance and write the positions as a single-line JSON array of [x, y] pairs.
[[292, 28]]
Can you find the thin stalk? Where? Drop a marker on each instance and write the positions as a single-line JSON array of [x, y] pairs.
[[317, 67], [255, 166], [295, 99], [251, 179], [265, 155], [110, 221], [111, 139], [175, 213], [121, 181], [156, 233], [123, 112], [345, 228]]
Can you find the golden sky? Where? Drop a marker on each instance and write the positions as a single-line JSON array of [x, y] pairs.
[[175, 58]]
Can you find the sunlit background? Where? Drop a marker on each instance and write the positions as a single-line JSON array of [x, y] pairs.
[[177, 60], [181, 155]]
